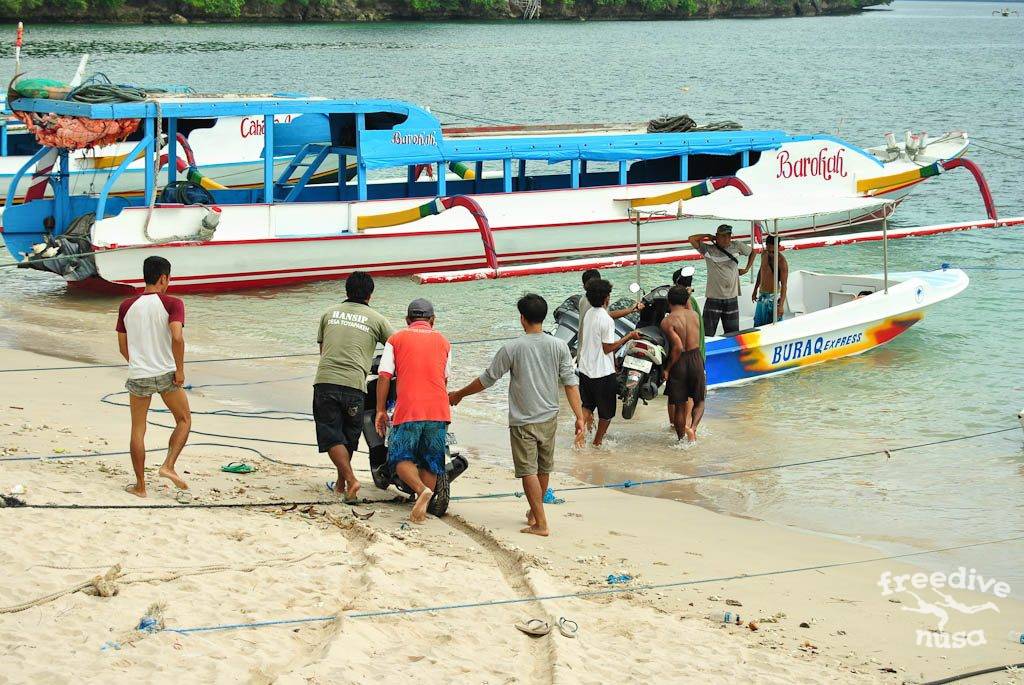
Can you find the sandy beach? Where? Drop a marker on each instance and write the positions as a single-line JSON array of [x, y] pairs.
[[216, 566]]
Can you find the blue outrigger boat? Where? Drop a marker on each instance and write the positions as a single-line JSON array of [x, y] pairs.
[[495, 197]]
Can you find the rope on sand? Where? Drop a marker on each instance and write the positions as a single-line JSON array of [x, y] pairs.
[[720, 474], [585, 593], [477, 341], [106, 585], [497, 495], [103, 585], [253, 450]]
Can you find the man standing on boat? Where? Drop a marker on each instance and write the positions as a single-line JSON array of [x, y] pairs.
[[348, 338], [721, 256], [598, 386], [539, 364], [765, 300], [421, 359]]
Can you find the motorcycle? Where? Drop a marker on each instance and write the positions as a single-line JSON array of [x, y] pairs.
[[641, 361], [567, 320], [383, 474]]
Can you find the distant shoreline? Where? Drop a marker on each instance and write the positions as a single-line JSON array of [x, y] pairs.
[[141, 12]]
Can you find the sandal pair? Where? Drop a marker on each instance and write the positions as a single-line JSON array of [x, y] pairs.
[[537, 627]]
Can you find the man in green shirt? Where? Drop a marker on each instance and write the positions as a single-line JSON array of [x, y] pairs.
[[348, 338]]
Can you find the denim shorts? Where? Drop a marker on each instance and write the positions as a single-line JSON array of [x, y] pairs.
[[421, 442], [147, 387]]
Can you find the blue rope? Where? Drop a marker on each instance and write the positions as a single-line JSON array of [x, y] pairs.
[[585, 593], [719, 474]]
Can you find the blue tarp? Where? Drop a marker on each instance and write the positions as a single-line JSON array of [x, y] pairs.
[[401, 147]]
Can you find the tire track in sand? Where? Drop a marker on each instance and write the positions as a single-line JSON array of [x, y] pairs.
[[358, 537], [511, 563]]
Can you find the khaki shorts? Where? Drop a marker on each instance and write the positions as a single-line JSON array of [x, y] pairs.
[[146, 387], [533, 447]]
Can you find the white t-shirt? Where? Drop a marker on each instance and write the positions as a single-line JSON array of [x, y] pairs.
[[600, 328], [146, 320]]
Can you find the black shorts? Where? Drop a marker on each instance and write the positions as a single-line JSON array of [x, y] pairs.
[[599, 394], [338, 413], [686, 380]]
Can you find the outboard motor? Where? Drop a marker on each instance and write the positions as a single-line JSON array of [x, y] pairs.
[[383, 475]]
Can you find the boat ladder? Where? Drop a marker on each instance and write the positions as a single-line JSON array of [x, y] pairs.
[[318, 152], [530, 8]]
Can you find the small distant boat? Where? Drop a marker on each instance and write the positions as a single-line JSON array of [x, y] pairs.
[[1005, 12], [827, 317]]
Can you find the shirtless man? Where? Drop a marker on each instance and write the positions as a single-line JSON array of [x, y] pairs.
[[766, 284], [685, 371]]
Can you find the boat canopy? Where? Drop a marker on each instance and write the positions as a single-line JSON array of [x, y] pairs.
[[393, 133]]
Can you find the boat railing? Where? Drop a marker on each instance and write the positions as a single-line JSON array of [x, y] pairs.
[[12, 189], [101, 202]]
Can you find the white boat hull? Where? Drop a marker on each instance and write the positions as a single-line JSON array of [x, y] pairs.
[[825, 321]]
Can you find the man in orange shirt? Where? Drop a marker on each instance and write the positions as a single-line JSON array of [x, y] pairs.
[[421, 358]]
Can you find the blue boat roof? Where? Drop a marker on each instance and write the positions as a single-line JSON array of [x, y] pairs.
[[198, 106], [400, 133]]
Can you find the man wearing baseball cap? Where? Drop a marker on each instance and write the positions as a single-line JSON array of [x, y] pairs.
[[721, 256], [421, 358]]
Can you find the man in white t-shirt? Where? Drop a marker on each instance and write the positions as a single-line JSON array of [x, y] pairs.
[[596, 363], [149, 335]]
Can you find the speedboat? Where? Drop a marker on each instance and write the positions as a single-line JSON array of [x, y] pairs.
[[531, 196]]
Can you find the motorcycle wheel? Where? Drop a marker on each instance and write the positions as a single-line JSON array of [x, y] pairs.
[[442, 495], [630, 398]]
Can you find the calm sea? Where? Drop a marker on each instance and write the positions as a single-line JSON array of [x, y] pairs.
[[931, 66]]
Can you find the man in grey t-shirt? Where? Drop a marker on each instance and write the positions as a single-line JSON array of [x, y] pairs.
[[539, 364], [721, 256]]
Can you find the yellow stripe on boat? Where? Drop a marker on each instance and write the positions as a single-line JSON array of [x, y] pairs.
[[696, 190], [109, 162], [402, 216], [868, 185]]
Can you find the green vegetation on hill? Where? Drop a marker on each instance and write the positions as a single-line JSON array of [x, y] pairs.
[[181, 11]]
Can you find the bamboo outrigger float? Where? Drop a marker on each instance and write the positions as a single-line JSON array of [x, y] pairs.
[[532, 196]]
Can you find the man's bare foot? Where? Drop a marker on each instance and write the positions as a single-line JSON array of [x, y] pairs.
[[135, 489], [352, 491], [168, 473], [339, 487], [691, 435], [596, 443], [419, 510], [530, 517], [535, 530]]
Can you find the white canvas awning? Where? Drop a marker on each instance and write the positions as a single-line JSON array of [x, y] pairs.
[[767, 208]]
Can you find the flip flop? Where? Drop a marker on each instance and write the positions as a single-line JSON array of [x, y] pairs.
[[237, 467], [183, 497], [535, 627], [567, 627]]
